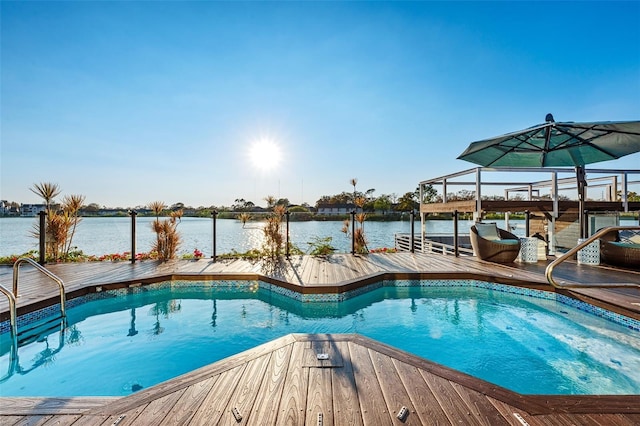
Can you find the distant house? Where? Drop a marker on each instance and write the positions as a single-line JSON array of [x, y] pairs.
[[7, 210], [335, 209], [32, 210]]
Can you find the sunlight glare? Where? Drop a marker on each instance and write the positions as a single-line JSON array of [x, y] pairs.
[[265, 154]]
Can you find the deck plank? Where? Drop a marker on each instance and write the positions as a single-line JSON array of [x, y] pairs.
[[293, 403], [52, 405], [243, 399], [393, 390], [319, 397], [266, 409], [346, 409], [61, 420], [212, 407], [88, 420], [127, 417], [509, 413], [453, 406], [189, 402], [427, 407], [374, 408], [10, 420], [32, 420], [480, 406], [157, 410]]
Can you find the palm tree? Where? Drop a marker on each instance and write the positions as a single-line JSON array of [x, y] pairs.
[[47, 191], [244, 218], [274, 239], [271, 201], [167, 236], [71, 205], [354, 182], [58, 225], [157, 207]]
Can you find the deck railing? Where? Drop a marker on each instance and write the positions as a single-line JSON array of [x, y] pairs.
[[429, 245], [541, 195]]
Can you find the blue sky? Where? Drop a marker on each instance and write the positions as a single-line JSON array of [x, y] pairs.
[[130, 102]]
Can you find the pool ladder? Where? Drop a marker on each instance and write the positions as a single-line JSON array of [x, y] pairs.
[[549, 271], [13, 320]]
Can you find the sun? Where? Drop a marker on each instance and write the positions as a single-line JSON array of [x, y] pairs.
[[265, 154]]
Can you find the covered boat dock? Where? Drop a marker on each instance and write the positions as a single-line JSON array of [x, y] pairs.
[[550, 204]]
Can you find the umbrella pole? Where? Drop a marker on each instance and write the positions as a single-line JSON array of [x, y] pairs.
[[582, 183]]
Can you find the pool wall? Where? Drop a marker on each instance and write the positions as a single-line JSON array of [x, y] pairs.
[[255, 285]]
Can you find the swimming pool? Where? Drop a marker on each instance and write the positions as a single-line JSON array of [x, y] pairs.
[[130, 339]]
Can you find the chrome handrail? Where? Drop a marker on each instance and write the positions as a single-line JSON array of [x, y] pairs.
[[549, 271], [13, 317], [13, 321], [16, 270]]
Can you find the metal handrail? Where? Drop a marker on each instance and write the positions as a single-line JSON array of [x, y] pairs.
[[549, 271], [16, 270], [13, 317], [13, 321]]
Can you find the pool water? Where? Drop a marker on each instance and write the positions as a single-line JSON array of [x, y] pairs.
[[118, 345]]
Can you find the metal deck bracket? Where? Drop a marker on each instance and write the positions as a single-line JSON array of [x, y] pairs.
[[403, 413], [236, 414]]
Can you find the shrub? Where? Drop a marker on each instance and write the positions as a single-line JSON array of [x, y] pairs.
[[321, 246], [167, 236]]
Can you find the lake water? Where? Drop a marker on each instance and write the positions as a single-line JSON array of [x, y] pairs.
[[108, 235]]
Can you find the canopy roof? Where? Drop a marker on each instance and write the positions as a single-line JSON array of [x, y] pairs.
[[557, 144]]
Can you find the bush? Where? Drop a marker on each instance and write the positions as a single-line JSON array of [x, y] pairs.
[[321, 246]]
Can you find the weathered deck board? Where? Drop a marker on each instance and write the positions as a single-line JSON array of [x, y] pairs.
[[346, 408], [454, 407], [266, 410], [211, 409], [394, 392], [189, 402], [244, 397], [374, 409], [427, 407], [293, 404], [480, 406], [319, 397]]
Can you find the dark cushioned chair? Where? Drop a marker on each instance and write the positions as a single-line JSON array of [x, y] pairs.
[[613, 251], [494, 244]]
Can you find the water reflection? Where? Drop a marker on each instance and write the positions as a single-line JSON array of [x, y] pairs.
[[214, 314], [164, 308], [44, 357], [132, 326]]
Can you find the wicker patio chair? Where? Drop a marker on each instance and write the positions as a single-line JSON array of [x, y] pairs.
[[497, 246], [615, 252]]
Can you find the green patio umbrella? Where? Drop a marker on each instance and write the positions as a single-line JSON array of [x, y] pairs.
[[555, 144]]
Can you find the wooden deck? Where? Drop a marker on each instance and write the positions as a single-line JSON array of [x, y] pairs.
[[362, 382]]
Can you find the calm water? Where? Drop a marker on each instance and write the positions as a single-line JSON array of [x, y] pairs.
[[100, 236], [120, 345]]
